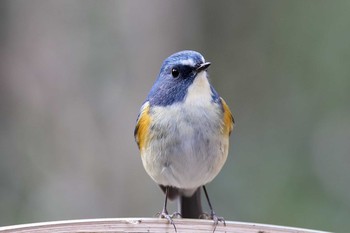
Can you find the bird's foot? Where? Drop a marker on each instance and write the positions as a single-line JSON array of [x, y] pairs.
[[213, 217], [169, 217]]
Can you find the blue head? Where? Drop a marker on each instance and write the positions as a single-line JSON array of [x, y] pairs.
[[176, 74]]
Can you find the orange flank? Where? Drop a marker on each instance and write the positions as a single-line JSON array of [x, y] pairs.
[[228, 118], [142, 127]]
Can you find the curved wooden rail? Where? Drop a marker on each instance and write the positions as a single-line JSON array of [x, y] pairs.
[[148, 225]]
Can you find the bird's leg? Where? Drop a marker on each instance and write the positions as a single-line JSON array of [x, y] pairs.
[[213, 215], [164, 213]]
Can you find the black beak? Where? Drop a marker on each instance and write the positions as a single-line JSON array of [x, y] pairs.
[[203, 66]]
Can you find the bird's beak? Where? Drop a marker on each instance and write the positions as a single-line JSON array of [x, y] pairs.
[[203, 66]]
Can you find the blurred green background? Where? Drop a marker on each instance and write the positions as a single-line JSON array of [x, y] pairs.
[[75, 73]]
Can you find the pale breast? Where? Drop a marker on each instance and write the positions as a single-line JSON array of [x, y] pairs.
[[187, 148]]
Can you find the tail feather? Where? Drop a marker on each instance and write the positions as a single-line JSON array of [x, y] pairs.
[[191, 207]]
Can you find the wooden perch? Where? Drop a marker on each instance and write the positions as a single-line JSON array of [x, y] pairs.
[[148, 225]]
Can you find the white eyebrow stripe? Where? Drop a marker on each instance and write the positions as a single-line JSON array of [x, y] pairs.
[[189, 62]]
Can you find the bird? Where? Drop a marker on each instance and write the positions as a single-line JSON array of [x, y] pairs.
[[182, 132]]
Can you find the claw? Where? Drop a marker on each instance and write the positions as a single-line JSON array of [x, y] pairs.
[[164, 214], [216, 220], [213, 217]]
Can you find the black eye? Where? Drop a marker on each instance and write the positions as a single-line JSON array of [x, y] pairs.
[[175, 72]]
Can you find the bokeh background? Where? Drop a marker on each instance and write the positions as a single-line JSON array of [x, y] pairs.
[[75, 73]]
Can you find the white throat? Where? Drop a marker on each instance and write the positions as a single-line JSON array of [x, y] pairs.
[[199, 91]]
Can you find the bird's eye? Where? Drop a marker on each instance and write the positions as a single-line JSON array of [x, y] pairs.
[[175, 72]]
